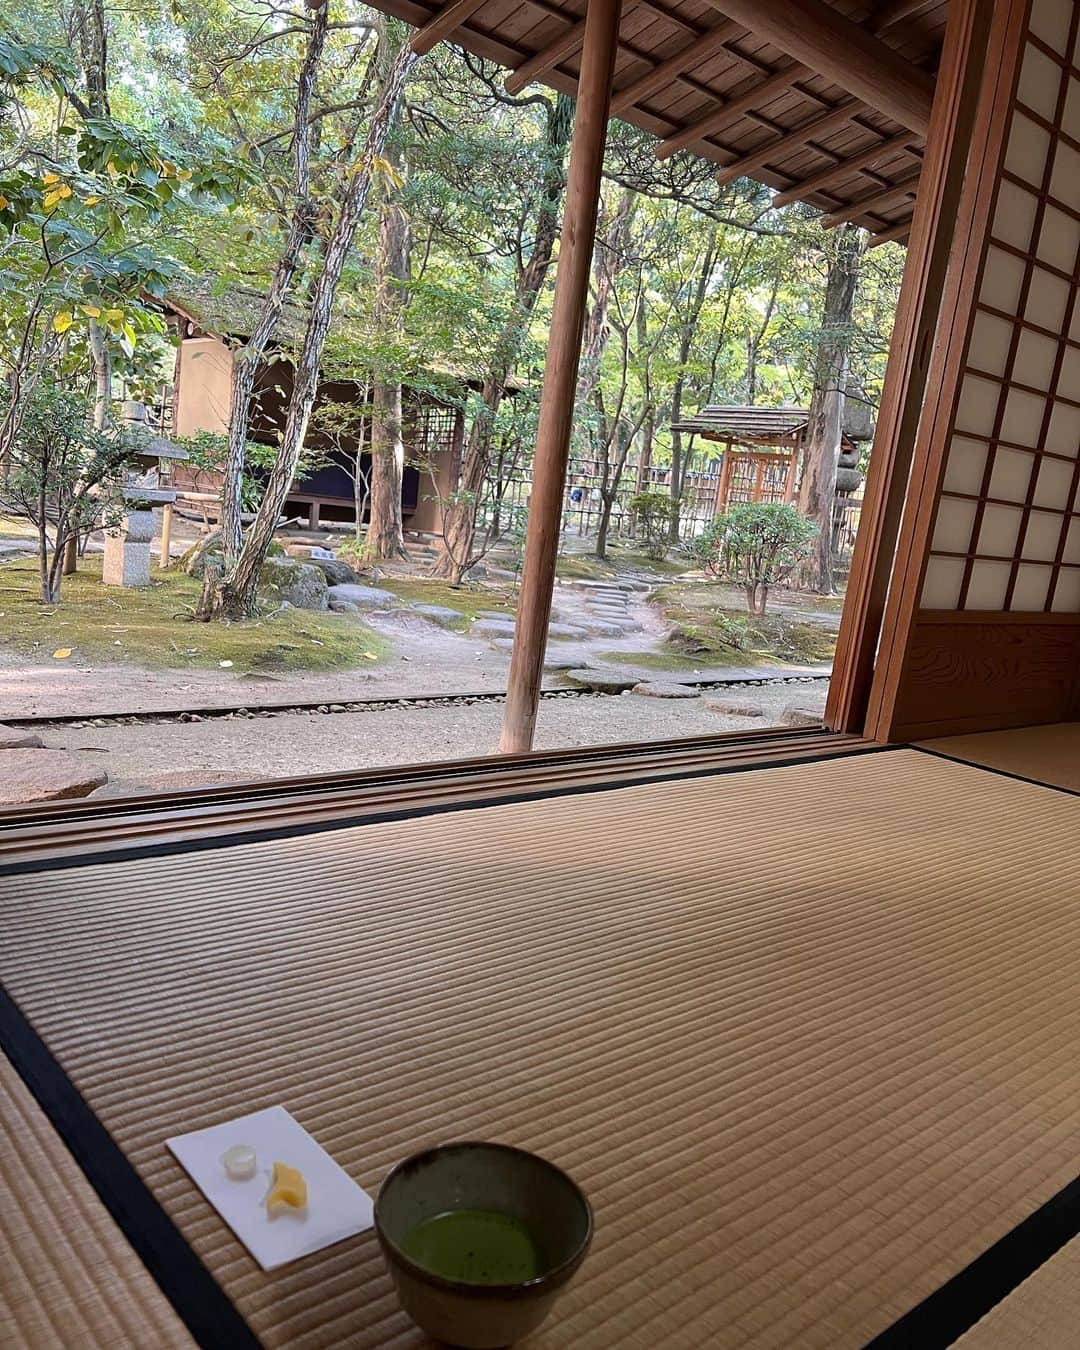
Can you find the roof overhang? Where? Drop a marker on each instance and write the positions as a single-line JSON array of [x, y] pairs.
[[827, 103]]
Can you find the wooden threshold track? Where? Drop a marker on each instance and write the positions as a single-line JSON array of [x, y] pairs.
[[72, 834]]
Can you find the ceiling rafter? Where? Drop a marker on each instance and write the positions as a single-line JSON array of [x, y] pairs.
[[901, 143]]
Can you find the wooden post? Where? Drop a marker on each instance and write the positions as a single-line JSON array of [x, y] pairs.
[[166, 534], [724, 486], [561, 373]]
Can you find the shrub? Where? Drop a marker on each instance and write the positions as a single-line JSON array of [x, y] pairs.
[[652, 514], [756, 545]]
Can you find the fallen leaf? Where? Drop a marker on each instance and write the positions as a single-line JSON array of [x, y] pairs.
[[224, 664], [61, 653], [369, 656]]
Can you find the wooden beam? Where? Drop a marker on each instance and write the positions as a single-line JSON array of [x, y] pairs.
[[873, 205], [448, 19], [819, 125], [730, 110], [560, 374], [893, 11], [896, 235], [698, 51], [820, 182], [831, 45]]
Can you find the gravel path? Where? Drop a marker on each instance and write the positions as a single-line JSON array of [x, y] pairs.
[[301, 743]]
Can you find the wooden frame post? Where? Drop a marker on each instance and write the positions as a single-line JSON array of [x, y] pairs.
[[561, 373], [914, 334]]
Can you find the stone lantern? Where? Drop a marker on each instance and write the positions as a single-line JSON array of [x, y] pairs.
[[127, 544]]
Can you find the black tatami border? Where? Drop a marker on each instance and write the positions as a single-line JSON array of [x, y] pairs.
[[948, 1312], [198, 1299], [1001, 773]]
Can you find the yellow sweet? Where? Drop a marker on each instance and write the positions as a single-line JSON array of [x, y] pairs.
[[288, 1189]]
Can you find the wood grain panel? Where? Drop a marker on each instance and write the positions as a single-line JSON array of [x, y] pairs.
[[968, 671]]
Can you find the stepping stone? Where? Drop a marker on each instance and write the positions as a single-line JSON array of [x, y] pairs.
[[495, 614], [605, 628], [800, 717], [492, 628], [12, 738], [609, 611], [30, 775], [441, 613], [665, 689], [364, 597], [561, 631], [719, 705], [561, 663], [601, 681]]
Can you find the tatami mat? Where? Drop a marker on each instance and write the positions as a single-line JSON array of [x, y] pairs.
[[1041, 1314], [1048, 754], [808, 1036], [67, 1274]]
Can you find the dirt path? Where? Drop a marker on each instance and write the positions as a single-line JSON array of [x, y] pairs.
[[426, 659], [302, 743]]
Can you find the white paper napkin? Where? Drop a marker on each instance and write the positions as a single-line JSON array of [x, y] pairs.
[[337, 1208]]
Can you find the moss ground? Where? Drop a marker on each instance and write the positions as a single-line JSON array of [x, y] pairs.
[[103, 625], [468, 600], [709, 631]]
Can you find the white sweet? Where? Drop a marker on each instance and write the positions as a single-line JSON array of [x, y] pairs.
[[239, 1162]]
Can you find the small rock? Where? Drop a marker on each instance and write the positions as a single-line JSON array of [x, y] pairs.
[[337, 573], [339, 606], [719, 705], [602, 681], [30, 775], [11, 738], [665, 689], [793, 716]]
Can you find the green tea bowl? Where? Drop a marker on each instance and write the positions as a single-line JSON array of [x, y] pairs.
[[480, 1239]]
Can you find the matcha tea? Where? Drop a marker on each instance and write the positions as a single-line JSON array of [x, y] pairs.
[[476, 1246]]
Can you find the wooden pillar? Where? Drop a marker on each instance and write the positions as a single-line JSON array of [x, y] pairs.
[[166, 534], [723, 488], [561, 373]]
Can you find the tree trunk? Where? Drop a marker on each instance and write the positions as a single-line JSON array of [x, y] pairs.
[[459, 515], [102, 363], [817, 492], [753, 345], [687, 335], [248, 358], [234, 595], [648, 435], [386, 535], [608, 261]]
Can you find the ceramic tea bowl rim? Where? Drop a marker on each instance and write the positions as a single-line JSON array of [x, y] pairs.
[[555, 1277]]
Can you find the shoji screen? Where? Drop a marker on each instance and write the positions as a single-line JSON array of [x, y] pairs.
[[1007, 530], [994, 620]]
